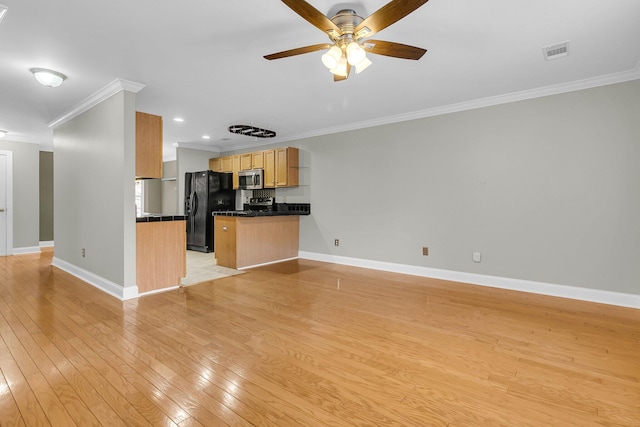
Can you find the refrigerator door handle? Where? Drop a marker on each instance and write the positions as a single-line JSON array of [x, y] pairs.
[[194, 202]]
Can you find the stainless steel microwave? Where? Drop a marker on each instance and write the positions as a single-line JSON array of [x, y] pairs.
[[252, 179]]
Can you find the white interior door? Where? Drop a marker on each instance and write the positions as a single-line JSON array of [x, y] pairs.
[[6, 199]]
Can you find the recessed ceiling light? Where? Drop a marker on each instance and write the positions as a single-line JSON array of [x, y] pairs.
[[178, 119], [206, 137], [2, 133]]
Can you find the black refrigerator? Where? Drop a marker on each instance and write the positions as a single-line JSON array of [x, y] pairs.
[[205, 192]]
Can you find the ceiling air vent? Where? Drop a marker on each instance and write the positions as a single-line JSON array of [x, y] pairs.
[[556, 51]]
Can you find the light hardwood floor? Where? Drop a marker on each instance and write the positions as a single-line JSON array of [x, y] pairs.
[[309, 343]]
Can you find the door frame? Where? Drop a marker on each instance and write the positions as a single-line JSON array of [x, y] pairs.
[[9, 180]]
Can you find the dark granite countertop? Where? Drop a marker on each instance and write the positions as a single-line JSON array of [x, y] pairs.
[[252, 214], [158, 218], [279, 209]]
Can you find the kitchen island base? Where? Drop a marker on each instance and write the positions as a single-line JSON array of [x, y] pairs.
[[241, 242]]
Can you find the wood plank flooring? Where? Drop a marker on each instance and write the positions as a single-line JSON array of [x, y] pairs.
[[309, 343]]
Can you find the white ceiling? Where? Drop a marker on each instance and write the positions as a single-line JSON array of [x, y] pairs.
[[203, 61]]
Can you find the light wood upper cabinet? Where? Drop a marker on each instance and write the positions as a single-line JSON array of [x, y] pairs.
[[257, 160], [227, 164], [281, 167], [148, 145], [235, 168], [269, 158], [215, 164], [250, 161], [246, 161], [287, 172]]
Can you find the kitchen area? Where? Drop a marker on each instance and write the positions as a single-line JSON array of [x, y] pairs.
[[236, 210], [243, 223]]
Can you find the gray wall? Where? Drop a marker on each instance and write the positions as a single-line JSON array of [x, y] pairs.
[[170, 197], [170, 188], [152, 195], [94, 175], [46, 196], [26, 202], [546, 189]]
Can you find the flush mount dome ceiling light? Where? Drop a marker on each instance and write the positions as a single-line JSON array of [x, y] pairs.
[[48, 78], [349, 34], [2, 133]]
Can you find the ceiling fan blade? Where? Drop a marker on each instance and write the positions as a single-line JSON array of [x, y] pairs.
[[298, 51], [312, 15], [388, 14], [339, 78], [397, 50]]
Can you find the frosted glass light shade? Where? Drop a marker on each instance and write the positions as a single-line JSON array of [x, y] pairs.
[[355, 53], [331, 58], [362, 65], [341, 68], [48, 78]]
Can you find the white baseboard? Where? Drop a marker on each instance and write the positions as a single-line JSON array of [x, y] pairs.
[[99, 282], [550, 289], [26, 250], [46, 244]]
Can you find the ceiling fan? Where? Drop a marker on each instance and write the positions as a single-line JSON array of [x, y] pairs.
[[349, 35]]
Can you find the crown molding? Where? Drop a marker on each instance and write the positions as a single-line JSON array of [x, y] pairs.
[[625, 76], [196, 146], [116, 86]]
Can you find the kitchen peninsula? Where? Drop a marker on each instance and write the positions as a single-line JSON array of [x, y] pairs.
[[161, 254], [246, 239]]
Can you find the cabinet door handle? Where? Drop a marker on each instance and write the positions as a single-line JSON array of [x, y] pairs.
[[1, 210], [225, 228]]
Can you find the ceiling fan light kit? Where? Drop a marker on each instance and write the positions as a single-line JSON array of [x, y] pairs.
[[348, 31], [331, 58], [355, 53]]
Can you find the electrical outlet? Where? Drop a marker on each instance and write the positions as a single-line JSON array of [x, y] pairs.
[[83, 252], [336, 242], [425, 251]]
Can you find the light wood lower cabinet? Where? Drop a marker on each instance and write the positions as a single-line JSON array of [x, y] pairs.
[[244, 242], [161, 254]]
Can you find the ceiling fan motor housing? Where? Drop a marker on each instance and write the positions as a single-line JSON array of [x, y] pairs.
[[347, 20]]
